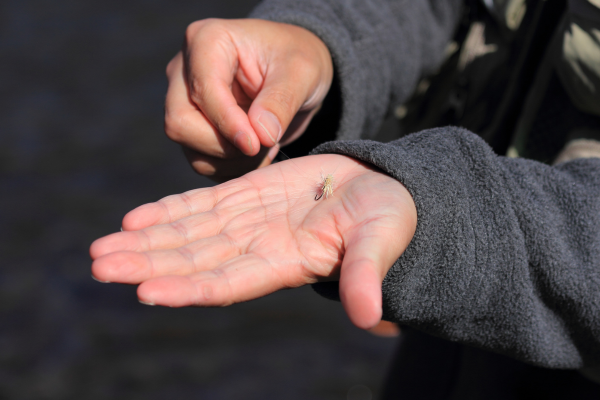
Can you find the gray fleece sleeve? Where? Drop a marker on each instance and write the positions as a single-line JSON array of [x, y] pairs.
[[506, 255], [380, 49]]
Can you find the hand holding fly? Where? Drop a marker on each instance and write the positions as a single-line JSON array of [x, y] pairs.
[[264, 232]]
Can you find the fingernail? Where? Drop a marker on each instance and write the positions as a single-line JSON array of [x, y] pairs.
[[98, 280], [271, 125], [240, 139], [273, 152], [146, 303]]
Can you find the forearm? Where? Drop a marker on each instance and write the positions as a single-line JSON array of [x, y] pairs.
[[505, 255], [380, 49]]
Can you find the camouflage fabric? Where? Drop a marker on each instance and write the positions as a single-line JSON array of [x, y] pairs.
[[576, 50], [577, 59]]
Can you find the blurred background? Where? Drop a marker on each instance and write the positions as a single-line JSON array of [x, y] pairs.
[[81, 143]]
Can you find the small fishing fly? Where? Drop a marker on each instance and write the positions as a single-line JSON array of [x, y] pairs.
[[326, 187]]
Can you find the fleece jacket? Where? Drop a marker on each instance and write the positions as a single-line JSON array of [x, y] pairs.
[[504, 267]]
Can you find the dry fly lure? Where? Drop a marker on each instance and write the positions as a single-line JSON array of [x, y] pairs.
[[326, 184], [326, 187]]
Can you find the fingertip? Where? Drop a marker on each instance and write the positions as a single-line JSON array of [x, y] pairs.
[[142, 217], [246, 143], [360, 293], [121, 267], [94, 250], [168, 291], [98, 280], [118, 241], [102, 246], [147, 294], [363, 309], [100, 270]]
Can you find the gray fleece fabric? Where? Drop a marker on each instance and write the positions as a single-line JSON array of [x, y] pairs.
[[506, 256]]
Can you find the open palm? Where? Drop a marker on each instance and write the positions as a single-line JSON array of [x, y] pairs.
[[263, 232]]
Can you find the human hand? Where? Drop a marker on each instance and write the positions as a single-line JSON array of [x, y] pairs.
[[239, 85], [263, 232]]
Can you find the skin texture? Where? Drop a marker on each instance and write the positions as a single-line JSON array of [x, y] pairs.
[[237, 86], [264, 232]]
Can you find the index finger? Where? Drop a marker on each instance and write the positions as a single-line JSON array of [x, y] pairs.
[[186, 124], [211, 69]]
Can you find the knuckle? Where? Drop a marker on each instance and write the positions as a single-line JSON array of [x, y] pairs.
[[174, 126], [195, 27], [170, 67]]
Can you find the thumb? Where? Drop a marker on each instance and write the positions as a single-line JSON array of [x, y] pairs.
[[369, 255], [283, 97]]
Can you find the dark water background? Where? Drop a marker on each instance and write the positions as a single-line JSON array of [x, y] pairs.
[[81, 143]]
